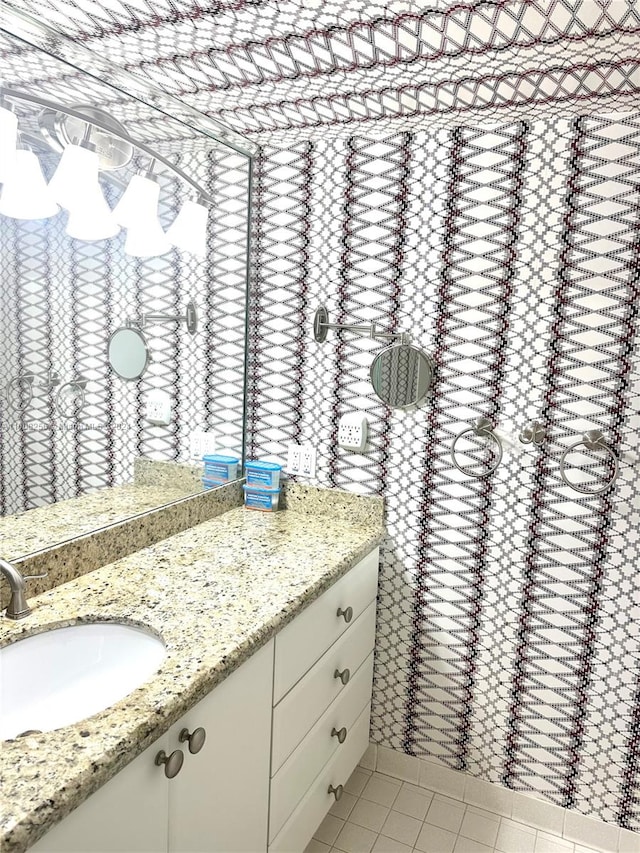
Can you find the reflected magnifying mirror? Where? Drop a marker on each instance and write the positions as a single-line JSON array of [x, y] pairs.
[[128, 353]]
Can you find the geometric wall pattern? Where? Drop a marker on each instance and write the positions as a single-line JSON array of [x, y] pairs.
[[507, 640], [453, 172], [61, 299], [294, 70]]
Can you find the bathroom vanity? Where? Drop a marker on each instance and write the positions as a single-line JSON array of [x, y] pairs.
[[268, 621]]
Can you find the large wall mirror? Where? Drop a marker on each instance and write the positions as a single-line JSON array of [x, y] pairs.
[[74, 409]]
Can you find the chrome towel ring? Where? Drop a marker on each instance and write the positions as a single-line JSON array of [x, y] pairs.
[[484, 428], [594, 440], [70, 398]]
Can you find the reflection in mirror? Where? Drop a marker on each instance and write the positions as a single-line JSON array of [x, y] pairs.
[[63, 301], [401, 375], [128, 353]]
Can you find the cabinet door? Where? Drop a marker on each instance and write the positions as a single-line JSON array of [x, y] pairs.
[[218, 803], [127, 815]]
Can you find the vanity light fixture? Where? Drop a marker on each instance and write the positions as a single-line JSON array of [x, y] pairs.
[[93, 221], [137, 211], [189, 229], [8, 141], [25, 194], [76, 186]]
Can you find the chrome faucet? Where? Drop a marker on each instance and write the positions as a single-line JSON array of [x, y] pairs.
[[17, 607]]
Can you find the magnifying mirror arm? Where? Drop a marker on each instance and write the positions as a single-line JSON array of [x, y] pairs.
[[322, 325], [371, 331], [190, 317]]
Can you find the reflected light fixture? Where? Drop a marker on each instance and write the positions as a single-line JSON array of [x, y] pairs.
[[188, 230], [137, 211], [8, 141], [93, 220], [76, 186], [25, 194], [146, 240]]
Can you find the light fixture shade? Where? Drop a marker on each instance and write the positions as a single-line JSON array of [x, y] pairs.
[[75, 177], [146, 239], [25, 194], [92, 219], [8, 141], [139, 202], [188, 230]]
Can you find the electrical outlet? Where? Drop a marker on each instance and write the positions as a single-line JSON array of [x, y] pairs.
[[208, 444], [201, 443], [352, 431], [308, 460], [293, 459], [157, 408], [301, 459]]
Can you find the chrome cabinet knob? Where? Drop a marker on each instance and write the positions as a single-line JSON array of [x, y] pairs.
[[195, 740], [337, 792], [347, 613], [341, 734], [172, 763], [344, 676]]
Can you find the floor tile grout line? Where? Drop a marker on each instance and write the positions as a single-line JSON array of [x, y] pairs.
[[561, 844]]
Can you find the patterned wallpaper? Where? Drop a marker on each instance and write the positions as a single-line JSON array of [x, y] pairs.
[[61, 299], [508, 621], [451, 171]]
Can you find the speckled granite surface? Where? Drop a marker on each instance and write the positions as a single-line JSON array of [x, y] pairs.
[[251, 571], [86, 552], [150, 472], [313, 501], [50, 525]]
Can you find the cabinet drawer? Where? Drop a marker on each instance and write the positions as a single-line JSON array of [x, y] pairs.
[[305, 703], [298, 830], [299, 771], [303, 641]]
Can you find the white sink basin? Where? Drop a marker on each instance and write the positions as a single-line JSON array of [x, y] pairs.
[[64, 675]]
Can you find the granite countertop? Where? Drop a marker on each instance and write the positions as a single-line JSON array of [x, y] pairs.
[[248, 572], [46, 526]]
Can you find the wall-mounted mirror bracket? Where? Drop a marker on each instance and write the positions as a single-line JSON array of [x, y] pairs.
[[190, 317], [401, 374], [321, 326]]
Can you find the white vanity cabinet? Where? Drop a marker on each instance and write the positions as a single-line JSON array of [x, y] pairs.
[[216, 803], [323, 673], [283, 734]]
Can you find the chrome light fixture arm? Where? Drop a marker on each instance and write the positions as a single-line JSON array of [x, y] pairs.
[[14, 95]]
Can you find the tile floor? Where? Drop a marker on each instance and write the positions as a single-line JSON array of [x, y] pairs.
[[380, 814]]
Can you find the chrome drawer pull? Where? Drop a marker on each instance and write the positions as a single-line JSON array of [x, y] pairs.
[[337, 792], [195, 739], [344, 676], [172, 763], [347, 613], [340, 734]]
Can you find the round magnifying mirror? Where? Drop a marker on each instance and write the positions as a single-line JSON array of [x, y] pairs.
[[128, 353], [401, 375]]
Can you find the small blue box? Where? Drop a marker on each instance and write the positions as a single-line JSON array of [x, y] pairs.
[[263, 475], [221, 468], [210, 483], [264, 499]]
